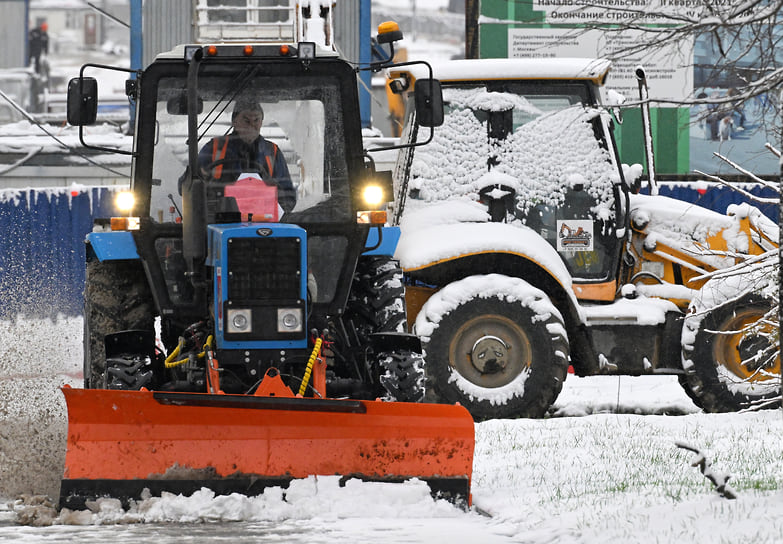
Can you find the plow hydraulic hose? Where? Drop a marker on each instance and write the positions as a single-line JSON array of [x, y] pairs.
[[310, 363], [171, 363]]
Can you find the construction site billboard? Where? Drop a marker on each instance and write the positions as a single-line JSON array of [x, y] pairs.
[[686, 136]]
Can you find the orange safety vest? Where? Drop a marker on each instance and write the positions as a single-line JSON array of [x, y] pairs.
[[270, 164]]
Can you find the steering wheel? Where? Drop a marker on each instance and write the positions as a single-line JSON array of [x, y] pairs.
[[254, 166]]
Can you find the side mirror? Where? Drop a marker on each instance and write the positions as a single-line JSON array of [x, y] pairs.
[[428, 98], [82, 101]]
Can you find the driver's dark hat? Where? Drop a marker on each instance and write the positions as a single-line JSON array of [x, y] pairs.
[[246, 105]]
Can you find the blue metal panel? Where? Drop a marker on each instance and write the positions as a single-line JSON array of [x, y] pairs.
[[113, 246], [718, 197], [42, 249], [390, 236]]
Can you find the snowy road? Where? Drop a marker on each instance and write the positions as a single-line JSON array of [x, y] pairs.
[[612, 475]]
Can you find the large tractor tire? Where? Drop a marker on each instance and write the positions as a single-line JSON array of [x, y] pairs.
[[116, 298], [376, 304], [729, 349], [495, 344]]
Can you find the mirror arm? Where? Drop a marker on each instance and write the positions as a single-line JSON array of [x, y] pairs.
[[432, 129], [81, 91]]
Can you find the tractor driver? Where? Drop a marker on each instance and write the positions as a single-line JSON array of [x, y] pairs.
[[244, 150]]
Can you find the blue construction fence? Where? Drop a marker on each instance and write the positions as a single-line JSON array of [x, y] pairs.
[[718, 197], [42, 234], [42, 250]]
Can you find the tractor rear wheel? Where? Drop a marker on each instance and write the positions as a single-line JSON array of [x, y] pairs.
[[116, 298], [495, 344], [729, 349]]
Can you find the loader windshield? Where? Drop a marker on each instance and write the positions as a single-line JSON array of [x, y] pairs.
[[545, 144], [300, 151]]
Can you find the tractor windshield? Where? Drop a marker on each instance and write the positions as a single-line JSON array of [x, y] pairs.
[[260, 138]]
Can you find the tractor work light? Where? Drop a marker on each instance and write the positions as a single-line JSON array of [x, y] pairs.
[[239, 320], [125, 201], [289, 320], [373, 196], [306, 50]]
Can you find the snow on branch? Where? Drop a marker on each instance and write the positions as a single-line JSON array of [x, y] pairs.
[[719, 479]]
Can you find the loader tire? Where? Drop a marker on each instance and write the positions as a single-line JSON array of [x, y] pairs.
[[495, 344], [729, 349], [117, 297], [403, 376]]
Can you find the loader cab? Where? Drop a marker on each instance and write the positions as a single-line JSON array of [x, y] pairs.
[[553, 150]]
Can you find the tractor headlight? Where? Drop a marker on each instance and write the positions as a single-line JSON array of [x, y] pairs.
[[289, 320], [373, 196], [125, 201], [239, 320]]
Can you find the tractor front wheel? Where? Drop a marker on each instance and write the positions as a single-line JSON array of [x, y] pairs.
[[116, 298], [402, 376]]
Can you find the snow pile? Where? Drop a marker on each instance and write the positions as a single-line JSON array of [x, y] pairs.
[[321, 496]]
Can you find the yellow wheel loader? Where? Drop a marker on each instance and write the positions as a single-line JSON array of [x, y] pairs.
[[526, 248]]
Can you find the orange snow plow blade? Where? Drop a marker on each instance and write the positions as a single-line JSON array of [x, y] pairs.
[[121, 442]]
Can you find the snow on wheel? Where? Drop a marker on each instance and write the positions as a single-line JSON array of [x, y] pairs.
[[495, 344], [729, 348]]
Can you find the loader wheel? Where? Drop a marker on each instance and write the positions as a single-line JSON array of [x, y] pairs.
[[495, 344], [729, 349], [403, 376], [116, 298]]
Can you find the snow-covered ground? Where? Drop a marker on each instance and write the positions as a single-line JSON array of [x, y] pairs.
[[604, 468]]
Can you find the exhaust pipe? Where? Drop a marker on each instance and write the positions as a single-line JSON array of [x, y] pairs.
[[644, 97]]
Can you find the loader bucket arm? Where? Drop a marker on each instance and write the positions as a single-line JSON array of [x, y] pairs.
[[121, 442]]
